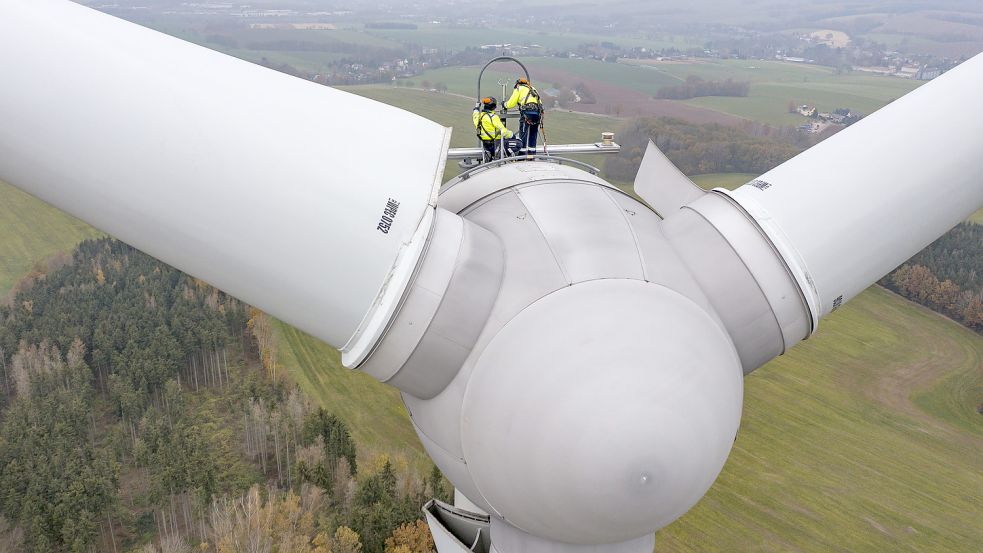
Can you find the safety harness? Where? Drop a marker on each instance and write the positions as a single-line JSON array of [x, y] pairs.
[[482, 131], [527, 108]]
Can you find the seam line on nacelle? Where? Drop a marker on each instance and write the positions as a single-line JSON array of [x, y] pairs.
[[634, 235], [546, 240]]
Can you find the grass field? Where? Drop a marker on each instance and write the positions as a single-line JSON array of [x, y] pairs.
[[768, 102], [729, 181], [464, 80], [30, 232], [756, 71], [632, 77], [775, 84], [833, 455]]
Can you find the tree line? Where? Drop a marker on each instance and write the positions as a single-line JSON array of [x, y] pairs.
[[947, 276], [696, 87], [698, 149]]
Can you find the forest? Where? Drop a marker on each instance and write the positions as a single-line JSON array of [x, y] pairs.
[[141, 410], [947, 276], [709, 148], [695, 87]]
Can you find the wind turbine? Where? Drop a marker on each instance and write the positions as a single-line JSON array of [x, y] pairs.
[[572, 359]]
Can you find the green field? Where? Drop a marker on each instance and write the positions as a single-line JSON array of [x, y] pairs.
[[729, 181], [756, 71], [833, 455], [464, 80], [775, 84], [30, 232], [631, 77]]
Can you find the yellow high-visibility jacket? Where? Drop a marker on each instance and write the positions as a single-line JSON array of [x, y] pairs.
[[489, 125], [521, 96]]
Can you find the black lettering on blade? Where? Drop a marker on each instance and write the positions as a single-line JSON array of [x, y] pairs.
[[388, 216]]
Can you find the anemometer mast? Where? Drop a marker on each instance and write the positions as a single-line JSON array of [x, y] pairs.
[[571, 357]]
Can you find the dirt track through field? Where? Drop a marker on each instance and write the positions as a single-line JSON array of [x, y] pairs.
[[895, 387]]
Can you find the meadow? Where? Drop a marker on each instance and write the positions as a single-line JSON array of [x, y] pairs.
[[775, 84], [729, 181], [837, 451], [32, 231]]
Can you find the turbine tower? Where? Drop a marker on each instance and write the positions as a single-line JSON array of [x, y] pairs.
[[571, 358]]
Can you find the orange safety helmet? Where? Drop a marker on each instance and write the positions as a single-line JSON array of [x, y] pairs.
[[489, 103]]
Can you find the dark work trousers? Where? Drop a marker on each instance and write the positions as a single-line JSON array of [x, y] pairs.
[[529, 131], [490, 146], [493, 146]]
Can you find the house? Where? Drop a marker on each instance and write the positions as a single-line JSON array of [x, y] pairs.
[[928, 73]]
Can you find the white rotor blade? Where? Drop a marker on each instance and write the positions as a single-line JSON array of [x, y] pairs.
[[308, 202], [849, 210]]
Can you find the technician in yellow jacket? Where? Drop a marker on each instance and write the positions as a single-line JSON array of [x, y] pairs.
[[489, 127], [525, 96]]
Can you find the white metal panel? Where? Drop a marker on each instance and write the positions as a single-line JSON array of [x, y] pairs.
[[461, 501], [660, 262], [530, 273], [267, 186], [586, 231], [662, 185], [531, 270], [463, 191], [847, 211]]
